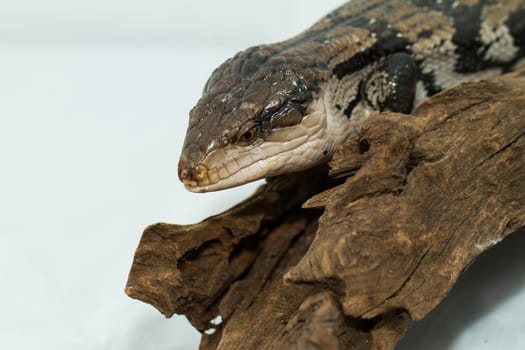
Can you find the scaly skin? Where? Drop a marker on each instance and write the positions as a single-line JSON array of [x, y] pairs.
[[285, 107]]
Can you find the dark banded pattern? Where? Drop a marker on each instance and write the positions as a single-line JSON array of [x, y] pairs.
[[366, 55]]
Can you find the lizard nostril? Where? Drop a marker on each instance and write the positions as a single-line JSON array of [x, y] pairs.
[[192, 175], [200, 172]]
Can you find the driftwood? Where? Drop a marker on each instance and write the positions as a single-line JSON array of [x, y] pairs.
[[335, 259]]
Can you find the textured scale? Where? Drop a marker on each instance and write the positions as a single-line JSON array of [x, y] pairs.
[[285, 107]]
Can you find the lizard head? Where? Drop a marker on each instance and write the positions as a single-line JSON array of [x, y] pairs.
[[260, 115]]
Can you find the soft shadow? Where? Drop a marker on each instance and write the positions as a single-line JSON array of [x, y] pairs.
[[493, 278], [158, 333]]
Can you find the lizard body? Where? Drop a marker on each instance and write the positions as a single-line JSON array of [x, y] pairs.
[[285, 107]]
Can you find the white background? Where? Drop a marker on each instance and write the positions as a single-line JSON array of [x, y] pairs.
[[94, 97]]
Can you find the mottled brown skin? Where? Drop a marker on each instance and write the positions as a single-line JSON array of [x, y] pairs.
[[246, 92], [367, 55]]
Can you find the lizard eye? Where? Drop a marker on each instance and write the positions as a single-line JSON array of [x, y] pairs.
[[248, 137]]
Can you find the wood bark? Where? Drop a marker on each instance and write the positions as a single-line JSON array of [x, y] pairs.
[[334, 258]]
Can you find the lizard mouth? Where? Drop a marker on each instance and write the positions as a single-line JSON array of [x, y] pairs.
[[230, 167], [233, 166], [201, 178], [219, 177], [214, 179]]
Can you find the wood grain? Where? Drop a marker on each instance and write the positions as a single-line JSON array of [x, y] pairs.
[[333, 259]]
